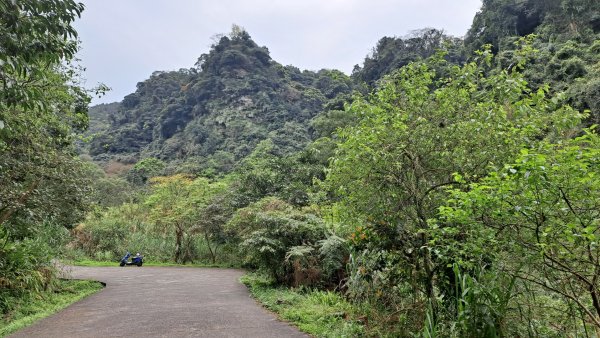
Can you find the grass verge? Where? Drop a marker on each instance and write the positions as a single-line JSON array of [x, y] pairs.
[[319, 313], [30, 309]]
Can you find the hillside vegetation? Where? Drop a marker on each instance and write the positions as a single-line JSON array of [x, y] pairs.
[[209, 117], [566, 44], [446, 188]]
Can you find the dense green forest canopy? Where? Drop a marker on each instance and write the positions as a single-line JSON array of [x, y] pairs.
[[567, 43], [392, 53]]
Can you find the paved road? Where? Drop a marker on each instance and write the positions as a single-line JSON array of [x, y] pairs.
[[162, 302]]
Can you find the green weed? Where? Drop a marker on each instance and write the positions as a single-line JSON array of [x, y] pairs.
[[319, 313], [30, 308]]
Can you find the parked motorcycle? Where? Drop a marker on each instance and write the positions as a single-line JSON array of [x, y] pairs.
[[135, 260]]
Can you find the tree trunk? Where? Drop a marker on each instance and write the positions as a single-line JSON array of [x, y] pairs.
[[595, 302], [212, 253], [178, 240], [428, 265]]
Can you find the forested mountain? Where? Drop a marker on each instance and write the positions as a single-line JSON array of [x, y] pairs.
[[567, 43], [392, 53], [99, 117], [216, 113], [207, 118], [558, 20]]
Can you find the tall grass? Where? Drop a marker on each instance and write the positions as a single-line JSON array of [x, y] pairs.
[[108, 235], [319, 313], [29, 308]]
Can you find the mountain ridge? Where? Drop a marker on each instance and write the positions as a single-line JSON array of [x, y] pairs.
[[234, 97]]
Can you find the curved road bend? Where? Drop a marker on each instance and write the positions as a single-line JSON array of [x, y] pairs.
[[162, 302]]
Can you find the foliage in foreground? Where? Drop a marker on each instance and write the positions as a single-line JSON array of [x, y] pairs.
[[43, 184], [319, 313], [433, 127], [26, 266], [536, 220]]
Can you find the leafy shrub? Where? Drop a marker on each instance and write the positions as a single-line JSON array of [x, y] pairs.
[[293, 246], [541, 211], [574, 68], [333, 254], [25, 267], [145, 169], [568, 50], [102, 237], [482, 303]]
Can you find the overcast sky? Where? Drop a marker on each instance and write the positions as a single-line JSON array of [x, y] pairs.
[[124, 41]]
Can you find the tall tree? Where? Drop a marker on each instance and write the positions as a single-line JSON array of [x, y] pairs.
[[176, 205], [413, 135], [542, 211], [41, 106]]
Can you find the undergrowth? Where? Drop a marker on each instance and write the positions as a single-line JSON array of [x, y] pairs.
[[319, 313]]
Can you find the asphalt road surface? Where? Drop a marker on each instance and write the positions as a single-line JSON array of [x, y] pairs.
[[162, 302]]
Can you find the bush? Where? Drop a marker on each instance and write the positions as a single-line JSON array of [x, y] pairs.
[[536, 218], [102, 238], [25, 267], [293, 246], [574, 68]]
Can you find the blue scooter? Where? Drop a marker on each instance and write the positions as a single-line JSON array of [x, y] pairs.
[[136, 260]]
